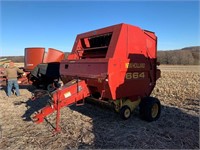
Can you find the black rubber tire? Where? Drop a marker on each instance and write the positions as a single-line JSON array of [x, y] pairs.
[[125, 112], [146, 105], [50, 87]]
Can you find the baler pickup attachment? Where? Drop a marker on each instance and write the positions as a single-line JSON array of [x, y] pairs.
[[72, 92]]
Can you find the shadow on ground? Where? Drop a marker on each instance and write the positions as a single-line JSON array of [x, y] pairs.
[[176, 129], [39, 100]]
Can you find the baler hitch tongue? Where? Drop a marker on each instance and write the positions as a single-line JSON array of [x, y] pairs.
[[70, 93], [39, 117]]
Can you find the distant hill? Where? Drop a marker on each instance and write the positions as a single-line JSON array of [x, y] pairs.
[[184, 56], [17, 59]]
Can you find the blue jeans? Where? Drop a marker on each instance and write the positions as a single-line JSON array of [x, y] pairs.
[[11, 83]]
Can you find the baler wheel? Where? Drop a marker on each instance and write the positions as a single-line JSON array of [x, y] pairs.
[[125, 112], [50, 87], [150, 109]]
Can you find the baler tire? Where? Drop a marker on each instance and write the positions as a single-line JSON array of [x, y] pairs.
[[125, 112], [150, 109], [50, 87]]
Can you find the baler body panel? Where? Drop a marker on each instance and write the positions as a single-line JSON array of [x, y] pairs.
[[118, 61]]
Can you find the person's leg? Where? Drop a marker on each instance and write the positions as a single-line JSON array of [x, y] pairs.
[[9, 87], [16, 85]]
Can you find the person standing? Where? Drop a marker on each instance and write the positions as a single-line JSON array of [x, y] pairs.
[[12, 73]]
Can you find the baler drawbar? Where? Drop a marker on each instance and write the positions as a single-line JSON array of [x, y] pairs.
[[115, 65], [70, 93]]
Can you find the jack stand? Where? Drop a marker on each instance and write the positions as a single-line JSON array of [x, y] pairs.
[[57, 129]]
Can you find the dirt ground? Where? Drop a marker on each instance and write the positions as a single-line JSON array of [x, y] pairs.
[[94, 126]]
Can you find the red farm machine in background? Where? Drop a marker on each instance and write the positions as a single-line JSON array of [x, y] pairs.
[[42, 68], [115, 65]]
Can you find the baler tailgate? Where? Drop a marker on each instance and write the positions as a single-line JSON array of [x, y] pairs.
[[70, 93]]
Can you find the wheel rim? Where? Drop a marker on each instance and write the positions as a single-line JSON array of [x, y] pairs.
[[50, 87], [127, 113], [154, 111]]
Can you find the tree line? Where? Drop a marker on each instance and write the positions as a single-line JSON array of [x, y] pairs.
[[184, 56]]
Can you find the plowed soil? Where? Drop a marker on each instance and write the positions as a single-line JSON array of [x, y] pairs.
[[94, 126]]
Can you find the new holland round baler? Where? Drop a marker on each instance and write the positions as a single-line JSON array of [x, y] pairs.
[[115, 65]]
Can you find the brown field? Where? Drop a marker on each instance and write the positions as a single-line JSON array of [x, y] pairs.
[[93, 126]]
